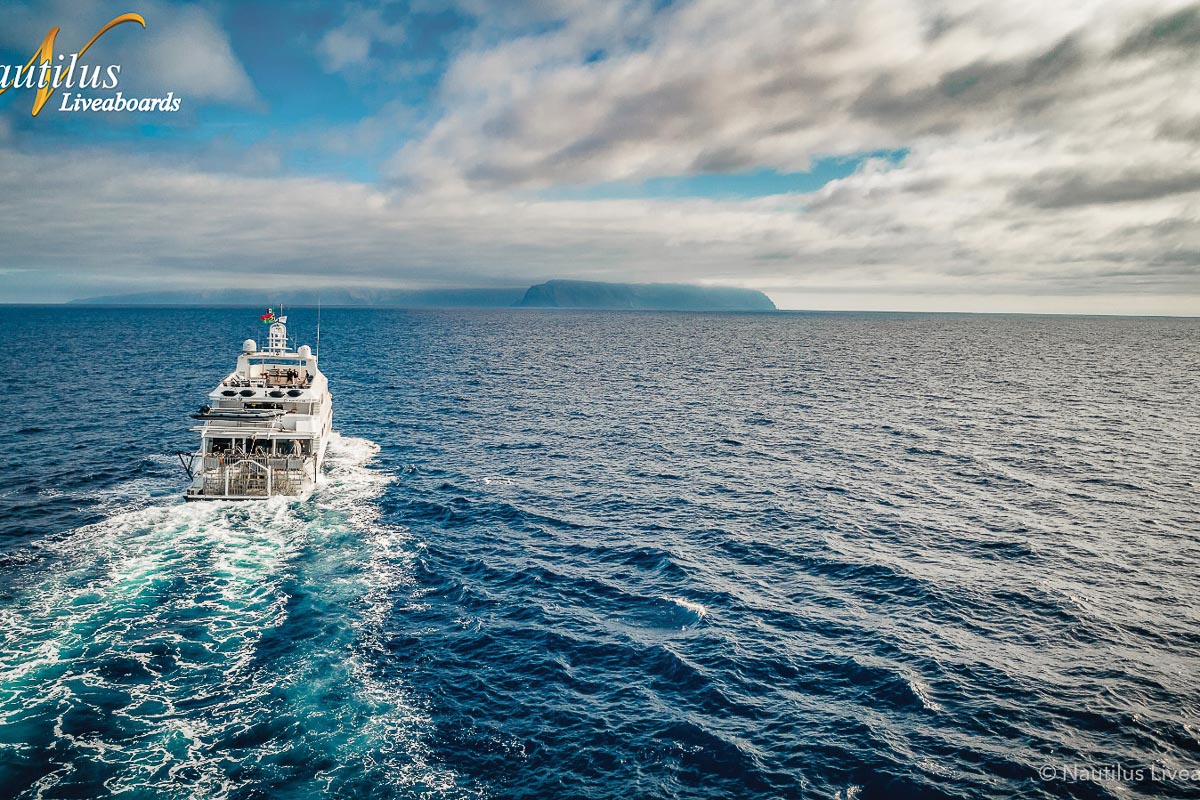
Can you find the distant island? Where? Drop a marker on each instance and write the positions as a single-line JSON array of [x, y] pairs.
[[551, 294], [353, 298], [644, 296]]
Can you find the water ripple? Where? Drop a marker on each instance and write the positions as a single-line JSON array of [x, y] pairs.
[[615, 555]]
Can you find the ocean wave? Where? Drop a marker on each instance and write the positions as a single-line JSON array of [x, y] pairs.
[[158, 649], [699, 556]]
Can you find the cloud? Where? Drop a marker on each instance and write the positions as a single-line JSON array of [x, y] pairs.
[[1179, 30], [1062, 189], [710, 85], [885, 235], [186, 51], [1047, 142], [520, 13], [1048, 156], [349, 45]]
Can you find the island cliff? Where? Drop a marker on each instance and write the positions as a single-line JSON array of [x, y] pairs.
[[643, 296]]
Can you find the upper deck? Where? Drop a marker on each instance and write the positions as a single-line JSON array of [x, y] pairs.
[[274, 392], [277, 376]]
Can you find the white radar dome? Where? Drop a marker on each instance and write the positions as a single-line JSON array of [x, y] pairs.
[[305, 351], [249, 346]]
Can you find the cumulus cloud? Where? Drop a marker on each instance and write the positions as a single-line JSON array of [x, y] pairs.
[[1049, 144], [1049, 161], [348, 46], [878, 238], [1065, 188], [711, 85], [186, 51]]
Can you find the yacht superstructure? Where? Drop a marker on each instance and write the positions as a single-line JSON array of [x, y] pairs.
[[266, 425]]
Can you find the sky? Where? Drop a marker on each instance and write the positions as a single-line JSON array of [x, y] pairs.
[[851, 154]]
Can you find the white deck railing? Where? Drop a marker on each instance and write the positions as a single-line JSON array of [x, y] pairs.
[[240, 475]]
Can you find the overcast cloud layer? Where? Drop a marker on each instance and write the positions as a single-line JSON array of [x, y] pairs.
[[1042, 157]]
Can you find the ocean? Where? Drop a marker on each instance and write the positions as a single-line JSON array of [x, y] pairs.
[[610, 555]]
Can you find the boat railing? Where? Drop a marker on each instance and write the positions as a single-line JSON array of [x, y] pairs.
[[271, 380], [244, 475]]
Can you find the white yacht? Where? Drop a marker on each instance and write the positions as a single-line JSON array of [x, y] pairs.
[[266, 425]]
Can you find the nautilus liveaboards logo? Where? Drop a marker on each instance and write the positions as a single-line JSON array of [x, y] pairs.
[[84, 86]]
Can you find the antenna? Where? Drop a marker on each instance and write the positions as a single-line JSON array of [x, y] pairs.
[[318, 327]]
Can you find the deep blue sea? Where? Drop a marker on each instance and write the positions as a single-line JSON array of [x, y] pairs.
[[610, 555]]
